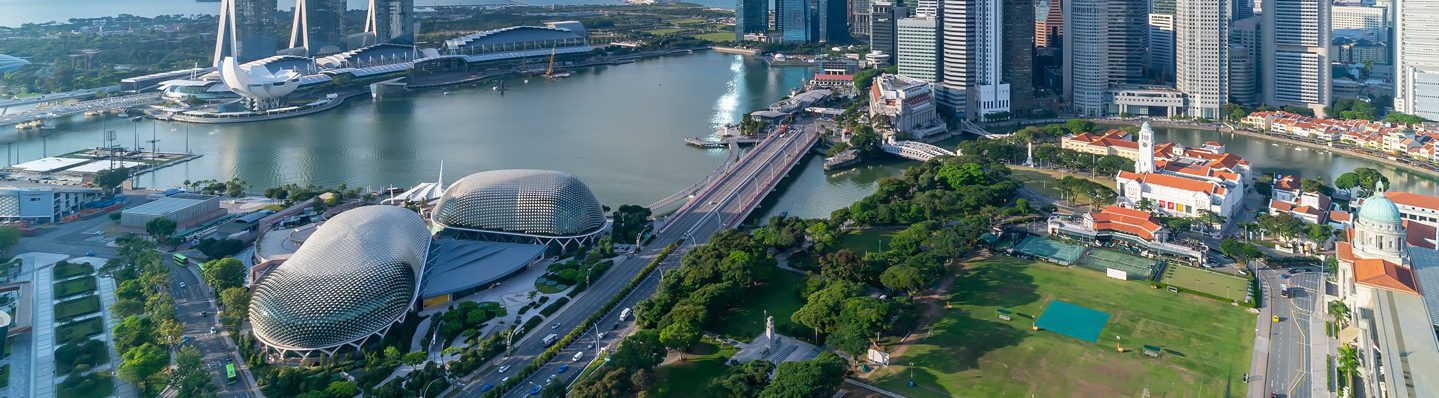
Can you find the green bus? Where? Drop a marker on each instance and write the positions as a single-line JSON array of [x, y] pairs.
[[181, 260], [229, 373]]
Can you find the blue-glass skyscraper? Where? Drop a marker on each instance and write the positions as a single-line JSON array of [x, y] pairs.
[[796, 20], [833, 21], [750, 16]]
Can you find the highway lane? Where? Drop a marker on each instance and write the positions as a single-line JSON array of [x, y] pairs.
[[695, 222], [197, 311], [1290, 362]]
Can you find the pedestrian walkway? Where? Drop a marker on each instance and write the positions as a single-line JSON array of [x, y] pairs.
[[123, 389], [1259, 362], [42, 382]]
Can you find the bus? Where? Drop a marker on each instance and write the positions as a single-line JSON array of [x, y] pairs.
[[229, 373], [550, 339], [181, 260], [624, 314]]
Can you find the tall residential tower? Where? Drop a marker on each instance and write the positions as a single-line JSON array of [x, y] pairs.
[[1202, 55], [1416, 57], [1103, 47], [1295, 50]]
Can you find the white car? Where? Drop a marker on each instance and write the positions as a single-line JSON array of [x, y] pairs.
[[578, 356], [503, 368]]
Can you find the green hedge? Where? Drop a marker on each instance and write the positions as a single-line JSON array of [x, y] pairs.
[[531, 323], [65, 270], [79, 331], [71, 356], [580, 329], [94, 385], [75, 286], [550, 309], [67, 310]]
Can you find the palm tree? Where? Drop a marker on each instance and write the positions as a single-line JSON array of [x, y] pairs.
[[1340, 312], [1348, 362]]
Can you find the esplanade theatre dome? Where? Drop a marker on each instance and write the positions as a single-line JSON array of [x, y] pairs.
[[355, 276], [521, 205]]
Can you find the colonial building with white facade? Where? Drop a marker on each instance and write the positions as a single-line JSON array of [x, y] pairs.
[[1183, 182], [907, 103]]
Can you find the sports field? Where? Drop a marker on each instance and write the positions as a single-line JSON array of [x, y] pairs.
[[1054, 250], [1206, 281], [974, 354], [1101, 259]]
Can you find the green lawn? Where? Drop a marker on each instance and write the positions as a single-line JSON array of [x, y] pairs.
[[1039, 182], [780, 296], [545, 286], [1206, 281], [1206, 343], [75, 286], [67, 310], [65, 270], [662, 31], [690, 21], [715, 36], [861, 242], [79, 330], [703, 362]]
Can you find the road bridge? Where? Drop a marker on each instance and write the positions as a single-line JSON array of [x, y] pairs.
[[915, 150], [722, 201], [81, 107], [44, 98], [969, 127]]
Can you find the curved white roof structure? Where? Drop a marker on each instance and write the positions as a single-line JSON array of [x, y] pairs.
[[9, 63], [357, 275], [528, 205], [257, 82]]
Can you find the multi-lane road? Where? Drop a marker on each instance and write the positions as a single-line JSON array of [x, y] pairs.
[[722, 204], [1291, 367], [196, 310]]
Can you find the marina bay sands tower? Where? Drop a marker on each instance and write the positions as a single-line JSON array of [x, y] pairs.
[[391, 21], [319, 26], [246, 31]]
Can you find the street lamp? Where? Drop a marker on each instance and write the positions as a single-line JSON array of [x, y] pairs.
[[427, 386]]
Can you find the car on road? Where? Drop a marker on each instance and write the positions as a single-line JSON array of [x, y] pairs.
[[563, 368], [580, 355], [536, 390], [503, 368], [502, 381], [90, 254], [212, 330], [204, 314], [182, 285], [487, 387], [554, 326], [1276, 319]]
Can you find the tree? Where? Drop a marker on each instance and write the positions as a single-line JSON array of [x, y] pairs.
[[133, 331], [614, 383], [1339, 311], [140, 362], [1077, 126], [190, 377], [413, 358], [217, 248], [850, 339], [110, 179], [642, 350], [160, 228], [9, 237], [1347, 362], [1351, 108], [1239, 251], [1362, 179], [847, 265], [866, 142], [819, 377], [629, 221], [224, 273], [1403, 118], [821, 309], [342, 388], [903, 278], [743, 381], [170, 330], [126, 307], [235, 300], [679, 336]]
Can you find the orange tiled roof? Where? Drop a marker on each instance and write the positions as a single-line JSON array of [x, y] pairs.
[[1419, 234], [1338, 216], [1344, 250], [1413, 199], [1385, 275], [1131, 221], [1173, 182]]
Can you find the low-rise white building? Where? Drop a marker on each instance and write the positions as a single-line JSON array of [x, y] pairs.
[[1184, 183], [907, 103]]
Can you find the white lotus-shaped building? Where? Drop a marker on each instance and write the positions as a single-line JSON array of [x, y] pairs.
[[256, 82]]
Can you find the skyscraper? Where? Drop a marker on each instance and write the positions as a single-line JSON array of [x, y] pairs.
[[1416, 57], [1244, 60], [918, 47], [1294, 69], [883, 29], [750, 16], [796, 21], [1160, 53], [859, 14], [1049, 25], [246, 30], [987, 46], [1103, 47], [319, 26], [1018, 32], [1201, 58], [957, 48], [391, 21], [833, 21]]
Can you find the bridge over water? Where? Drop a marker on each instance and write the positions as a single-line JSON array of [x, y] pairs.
[[915, 150], [81, 107]]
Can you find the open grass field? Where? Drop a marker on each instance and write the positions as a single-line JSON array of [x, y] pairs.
[[861, 242], [1206, 281], [715, 36], [662, 31], [704, 362], [67, 310], [780, 296], [75, 286], [974, 354]]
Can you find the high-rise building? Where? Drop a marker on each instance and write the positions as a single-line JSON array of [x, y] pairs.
[[1294, 69], [957, 54], [750, 16], [883, 29], [1240, 9], [1416, 58], [1163, 6], [391, 21], [1103, 47], [246, 31], [859, 14], [1018, 42], [1244, 60], [1049, 24], [796, 20], [1160, 55], [319, 26], [833, 21], [1202, 55], [1373, 21], [918, 48]]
